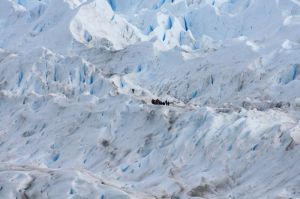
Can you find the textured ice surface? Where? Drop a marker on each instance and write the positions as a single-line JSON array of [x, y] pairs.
[[76, 82]]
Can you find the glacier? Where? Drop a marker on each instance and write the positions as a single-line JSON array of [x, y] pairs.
[[76, 82]]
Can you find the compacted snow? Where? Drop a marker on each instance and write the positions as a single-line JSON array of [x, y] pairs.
[[76, 82]]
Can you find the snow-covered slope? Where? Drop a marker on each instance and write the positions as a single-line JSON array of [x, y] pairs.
[[76, 82]]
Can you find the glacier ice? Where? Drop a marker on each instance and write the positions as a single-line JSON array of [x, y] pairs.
[[76, 82]]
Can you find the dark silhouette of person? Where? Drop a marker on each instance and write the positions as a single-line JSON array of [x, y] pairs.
[[132, 90], [157, 101], [153, 101]]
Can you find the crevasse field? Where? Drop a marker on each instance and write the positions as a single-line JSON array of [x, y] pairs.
[[71, 126]]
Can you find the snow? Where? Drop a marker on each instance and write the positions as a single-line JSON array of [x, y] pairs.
[[76, 82], [295, 134]]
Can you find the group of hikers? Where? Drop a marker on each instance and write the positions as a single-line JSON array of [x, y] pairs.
[[158, 102]]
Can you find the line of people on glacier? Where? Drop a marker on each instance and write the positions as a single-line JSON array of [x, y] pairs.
[[159, 102], [156, 101]]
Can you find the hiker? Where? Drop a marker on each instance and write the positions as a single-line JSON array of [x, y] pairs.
[[160, 103], [153, 101], [132, 90], [157, 101]]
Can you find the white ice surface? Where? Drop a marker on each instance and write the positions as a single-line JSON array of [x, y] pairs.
[[71, 126]]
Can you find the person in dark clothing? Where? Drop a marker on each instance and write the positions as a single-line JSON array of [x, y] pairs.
[[157, 101], [153, 101], [132, 90]]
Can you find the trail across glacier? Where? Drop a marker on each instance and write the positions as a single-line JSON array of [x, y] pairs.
[[123, 84]]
